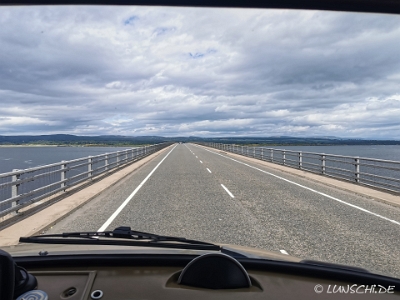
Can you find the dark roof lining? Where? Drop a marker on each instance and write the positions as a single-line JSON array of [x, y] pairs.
[[377, 6]]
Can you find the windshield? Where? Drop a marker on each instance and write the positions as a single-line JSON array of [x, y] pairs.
[[195, 106]]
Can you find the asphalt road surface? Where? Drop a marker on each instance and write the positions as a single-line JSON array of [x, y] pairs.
[[202, 193]]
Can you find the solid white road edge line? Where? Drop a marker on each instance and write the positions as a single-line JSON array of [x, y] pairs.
[[229, 193], [119, 209], [310, 189]]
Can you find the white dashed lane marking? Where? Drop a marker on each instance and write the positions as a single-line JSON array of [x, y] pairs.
[[229, 193]]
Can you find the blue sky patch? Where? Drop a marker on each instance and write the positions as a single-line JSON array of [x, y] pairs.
[[199, 54], [163, 30], [196, 55], [130, 20]]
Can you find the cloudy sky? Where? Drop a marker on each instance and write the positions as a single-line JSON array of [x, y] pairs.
[[205, 72]]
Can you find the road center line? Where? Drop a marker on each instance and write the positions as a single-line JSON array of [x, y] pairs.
[[208, 170], [310, 189], [201, 162], [229, 193], [119, 209]]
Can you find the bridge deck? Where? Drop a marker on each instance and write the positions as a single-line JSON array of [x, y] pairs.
[[201, 193]]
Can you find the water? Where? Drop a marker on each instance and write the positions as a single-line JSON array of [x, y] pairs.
[[388, 152], [29, 157]]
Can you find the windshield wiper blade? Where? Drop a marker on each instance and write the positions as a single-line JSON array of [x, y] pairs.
[[123, 236]]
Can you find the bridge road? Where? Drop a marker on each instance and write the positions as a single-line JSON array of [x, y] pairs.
[[201, 193]]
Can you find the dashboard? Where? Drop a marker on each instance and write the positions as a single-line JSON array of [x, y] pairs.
[[163, 277], [161, 283]]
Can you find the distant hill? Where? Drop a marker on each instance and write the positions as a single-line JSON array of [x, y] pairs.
[[287, 140], [118, 140]]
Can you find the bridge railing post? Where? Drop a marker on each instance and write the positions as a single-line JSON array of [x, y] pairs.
[[262, 153], [284, 157], [254, 152], [357, 169], [63, 176], [90, 167], [106, 162], [272, 155], [323, 163], [300, 160], [15, 190]]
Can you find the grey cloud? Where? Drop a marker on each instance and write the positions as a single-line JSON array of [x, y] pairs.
[[183, 71]]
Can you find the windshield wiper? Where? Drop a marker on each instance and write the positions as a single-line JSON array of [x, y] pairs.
[[122, 236]]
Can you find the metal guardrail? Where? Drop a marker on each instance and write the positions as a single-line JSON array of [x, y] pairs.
[[21, 188], [378, 173]]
